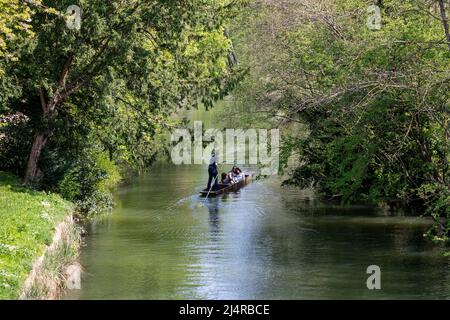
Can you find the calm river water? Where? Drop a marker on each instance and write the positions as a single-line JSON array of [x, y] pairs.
[[263, 242]]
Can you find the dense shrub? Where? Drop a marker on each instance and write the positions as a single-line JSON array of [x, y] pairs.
[[15, 142], [89, 181]]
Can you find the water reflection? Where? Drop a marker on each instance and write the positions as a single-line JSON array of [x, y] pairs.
[[262, 242], [213, 208]]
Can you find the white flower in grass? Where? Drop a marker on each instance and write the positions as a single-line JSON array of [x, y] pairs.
[[46, 216], [8, 247], [7, 274], [45, 203]]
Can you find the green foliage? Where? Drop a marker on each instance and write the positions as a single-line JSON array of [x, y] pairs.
[[89, 182], [14, 142], [437, 198], [375, 102], [111, 87], [14, 25], [28, 219]]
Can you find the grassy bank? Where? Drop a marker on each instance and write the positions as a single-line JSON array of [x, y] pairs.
[[29, 220]]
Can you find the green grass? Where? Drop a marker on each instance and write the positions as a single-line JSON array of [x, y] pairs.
[[27, 221]]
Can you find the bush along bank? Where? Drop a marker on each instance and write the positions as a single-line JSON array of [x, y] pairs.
[[39, 241]]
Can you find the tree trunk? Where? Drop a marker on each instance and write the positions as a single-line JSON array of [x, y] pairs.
[[444, 22], [48, 110], [232, 57], [39, 141]]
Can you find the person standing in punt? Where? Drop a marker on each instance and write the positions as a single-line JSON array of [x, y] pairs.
[[213, 171]]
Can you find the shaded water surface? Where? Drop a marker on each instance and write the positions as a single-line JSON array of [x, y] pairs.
[[263, 242]]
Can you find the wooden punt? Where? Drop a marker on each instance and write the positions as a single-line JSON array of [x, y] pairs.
[[224, 188]]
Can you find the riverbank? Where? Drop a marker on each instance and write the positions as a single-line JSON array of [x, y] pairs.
[[39, 239]]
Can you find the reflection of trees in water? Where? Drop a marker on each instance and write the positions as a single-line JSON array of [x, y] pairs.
[[213, 208], [327, 246], [213, 205]]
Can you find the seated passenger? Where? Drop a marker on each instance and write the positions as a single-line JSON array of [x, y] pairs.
[[225, 179], [231, 177], [237, 174], [236, 170]]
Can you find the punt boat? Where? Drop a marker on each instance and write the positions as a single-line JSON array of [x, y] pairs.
[[224, 188]]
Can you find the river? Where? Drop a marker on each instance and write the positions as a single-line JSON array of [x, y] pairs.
[[263, 242], [162, 241]]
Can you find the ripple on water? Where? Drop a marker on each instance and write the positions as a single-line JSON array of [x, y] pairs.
[[263, 242]]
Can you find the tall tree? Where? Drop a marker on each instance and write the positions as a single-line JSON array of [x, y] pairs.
[[364, 112], [153, 55]]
